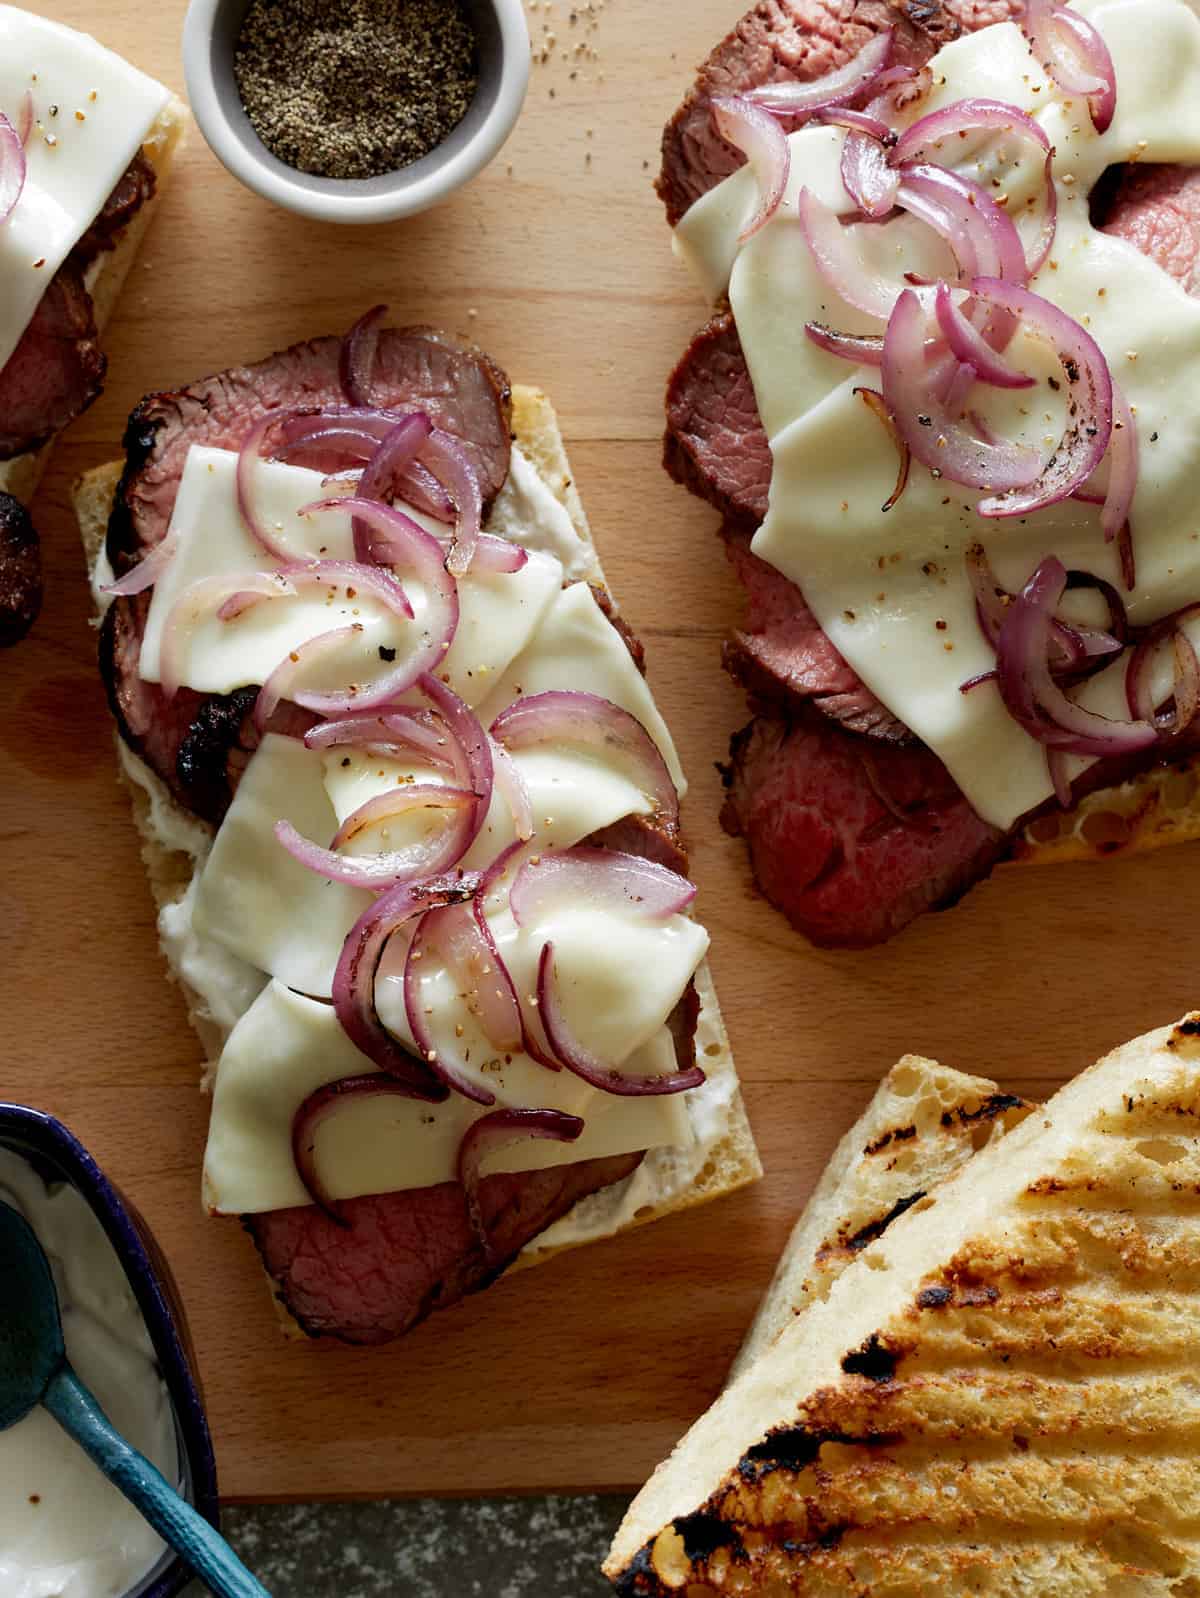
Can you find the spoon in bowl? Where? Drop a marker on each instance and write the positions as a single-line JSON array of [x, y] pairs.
[[34, 1370]]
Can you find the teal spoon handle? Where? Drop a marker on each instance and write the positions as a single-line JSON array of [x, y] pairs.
[[176, 1522]]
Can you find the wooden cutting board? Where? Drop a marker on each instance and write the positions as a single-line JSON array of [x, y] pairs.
[[581, 1374]]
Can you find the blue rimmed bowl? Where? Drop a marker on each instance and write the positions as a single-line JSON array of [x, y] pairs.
[[58, 1156]]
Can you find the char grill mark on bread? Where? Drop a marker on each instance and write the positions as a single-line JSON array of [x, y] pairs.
[[923, 1123], [459, 387], [997, 1398], [408, 1254], [779, 41], [818, 810], [20, 571], [56, 370]]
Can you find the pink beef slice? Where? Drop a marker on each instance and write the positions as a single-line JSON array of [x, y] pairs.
[[779, 41], [404, 1255], [1157, 210], [851, 839]]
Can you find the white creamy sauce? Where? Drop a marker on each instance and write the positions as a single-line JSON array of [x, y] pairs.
[[258, 935], [92, 112], [891, 589], [65, 1531]]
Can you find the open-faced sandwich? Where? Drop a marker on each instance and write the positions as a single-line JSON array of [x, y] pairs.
[[994, 1395], [948, 409], [85, 144], [412, 818]]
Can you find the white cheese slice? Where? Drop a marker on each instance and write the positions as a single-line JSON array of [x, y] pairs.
[[527, 512], [286, 1046], [253, 898], [891, 590], [498, 613], [576, 646], [92, 113]]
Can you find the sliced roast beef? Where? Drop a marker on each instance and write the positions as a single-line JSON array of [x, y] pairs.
[[1157, 210], [408, 1254], [133, 188], [56, 370], [778, 41], [851, 839], [715, 443], [198, 743], [459, 387], [782, 654], [20, 571]]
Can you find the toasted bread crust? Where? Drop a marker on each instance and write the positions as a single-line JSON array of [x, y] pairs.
[[998, 1398]]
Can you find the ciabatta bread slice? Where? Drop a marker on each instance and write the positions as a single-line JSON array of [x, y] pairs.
[[999, 1397], [924, 1122]]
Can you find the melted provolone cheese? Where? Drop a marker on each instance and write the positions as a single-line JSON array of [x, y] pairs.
[[286, 1046], [891, 590], [92, 112], [498, 613], [577, 647], [258, 902]]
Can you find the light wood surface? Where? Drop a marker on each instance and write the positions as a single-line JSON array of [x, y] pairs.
[[580, 1374]]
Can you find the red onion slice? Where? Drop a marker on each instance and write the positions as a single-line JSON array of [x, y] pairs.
[[210, 594], [249, 457], [839, 261], [516, 795], [578, 1058], [470, 952], [597, 879], [1075, 55], [877, 405], [441, 1055], [393, 456], [936, 437], [983, 238], [1075, 651], [838, 87], [1089, 384], [1027, 686], [25, 121], [1177, 715], [428, 856], [500, 1130], [868, 178], [387, 733], [12, 167], [864, 349], [1123, 467], [445, 457], [147, 571], [975, 112], [756, 133], [356, 358], [280, 685], [358, 967], [586, 721], [968, 344], [421, 556], [319, 1106]]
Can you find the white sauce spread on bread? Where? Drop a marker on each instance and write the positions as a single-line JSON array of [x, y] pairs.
[[91, 114], [65, 1530], [280, 926], [891, 590]]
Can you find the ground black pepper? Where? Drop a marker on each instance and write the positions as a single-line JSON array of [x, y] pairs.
[[355, 88]]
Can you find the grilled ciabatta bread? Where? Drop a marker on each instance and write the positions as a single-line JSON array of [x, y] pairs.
[[924, 1122], [997, 1397]]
